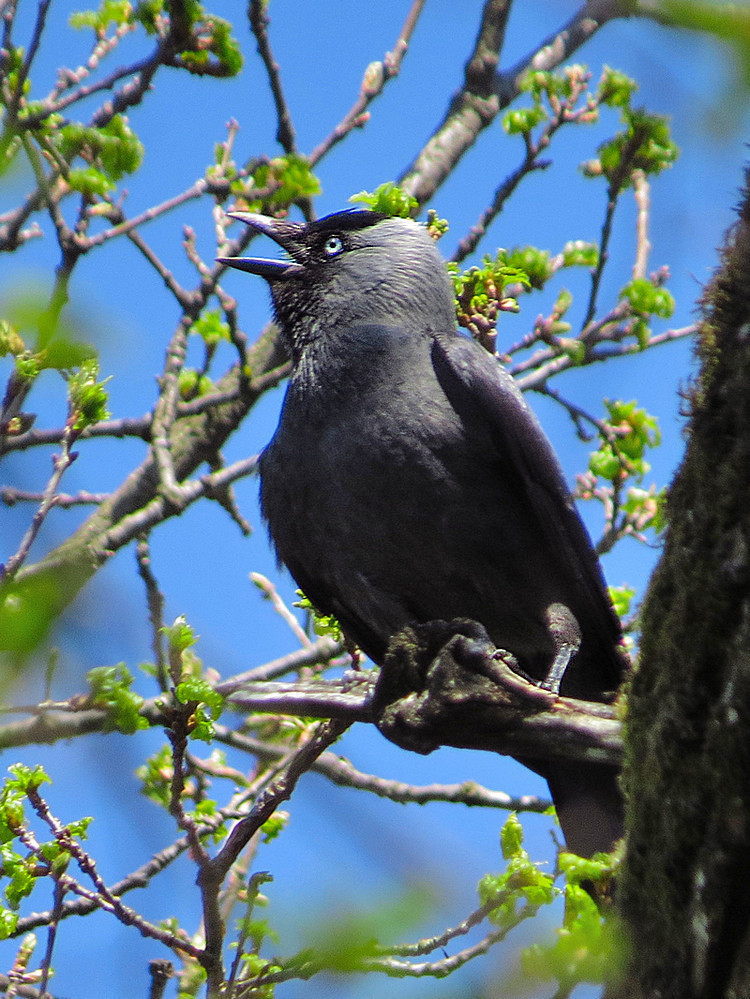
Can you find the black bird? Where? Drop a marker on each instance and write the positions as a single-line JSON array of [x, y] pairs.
[[408, 480]]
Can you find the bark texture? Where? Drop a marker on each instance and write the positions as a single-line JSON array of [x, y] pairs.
[[685, 889]]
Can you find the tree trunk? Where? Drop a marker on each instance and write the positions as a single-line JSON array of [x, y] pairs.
[[685, 888]]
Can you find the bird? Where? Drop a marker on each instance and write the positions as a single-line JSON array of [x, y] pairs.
[[409, 481]]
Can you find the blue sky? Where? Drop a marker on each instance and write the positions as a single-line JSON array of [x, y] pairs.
[[340, 845]]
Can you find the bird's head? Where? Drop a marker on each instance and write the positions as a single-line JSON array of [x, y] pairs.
[[351, 267]]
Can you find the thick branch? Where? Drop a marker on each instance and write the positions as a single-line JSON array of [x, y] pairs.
[[464, 711], [484, 95], [471, 110], [194, 441], [467, 697]]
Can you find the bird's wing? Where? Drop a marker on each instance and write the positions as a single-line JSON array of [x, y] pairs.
[[476, 385], [325, 600]]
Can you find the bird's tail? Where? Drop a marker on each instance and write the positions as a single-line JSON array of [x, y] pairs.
[[589, 805]]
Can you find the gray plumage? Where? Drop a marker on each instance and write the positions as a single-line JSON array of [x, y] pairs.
[[408, 480]]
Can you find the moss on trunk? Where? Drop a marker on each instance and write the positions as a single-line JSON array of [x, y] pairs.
[[685, 889]]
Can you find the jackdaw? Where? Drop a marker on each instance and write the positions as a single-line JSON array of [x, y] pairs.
[[408, 480]]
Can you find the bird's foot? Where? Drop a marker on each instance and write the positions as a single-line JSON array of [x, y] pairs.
[[507, 673], [447, 674]]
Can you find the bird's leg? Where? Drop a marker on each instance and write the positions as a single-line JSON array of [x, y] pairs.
[[566, 635], [556, 672]]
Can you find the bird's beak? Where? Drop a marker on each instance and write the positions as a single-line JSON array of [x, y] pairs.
[[281, 231]]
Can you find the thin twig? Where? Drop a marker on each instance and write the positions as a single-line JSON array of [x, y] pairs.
[[159, 508], [376, 77], [641, 190], [440, 969], [128, 427], [578, 415], [155, 601], [23, 73], [615, 188], [61, 463], [270, 592], [258, 17], [10, 496], [266, 804], [473, 109], [213, 872], [305, 966], [564, 112], [58, 898], [558, 47], [469, 243], [165, 413], [184, 298], [104, 895], [55, 105], [82, 905], [321, 651], [341, 772]]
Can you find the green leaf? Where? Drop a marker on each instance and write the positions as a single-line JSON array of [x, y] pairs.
[[511, 837], [648, 298], [87, 397], [211, 328], [198, 692], [521, 886], [156, 776], [605, 464], [24, 778], [520, 121], [214, 37], [622, 599], [11, 342], [530, 261], [196, 689], [8, 923], [589, 946], [578, 253], [117, 12], [645, 144], [562, 303], [179, 635], [27, 367], [20, 874], [89, 181], [622, 452], [615, 88], [193, 384], [323, 624], [110, 688], [283, 180], [120, 149], [274, 826], [389, 199], [112, 150], [147, 13], [641, 330]]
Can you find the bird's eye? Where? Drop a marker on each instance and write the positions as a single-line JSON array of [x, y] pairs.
[[333, 246]]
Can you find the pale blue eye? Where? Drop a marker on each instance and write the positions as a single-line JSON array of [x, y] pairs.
[[333, 246]]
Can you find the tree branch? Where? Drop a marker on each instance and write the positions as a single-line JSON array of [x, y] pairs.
[[483, 96], [194, 440], [376, 77], [259, 23]]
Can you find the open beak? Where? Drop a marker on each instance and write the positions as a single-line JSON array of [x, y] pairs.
[[281, 231]]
